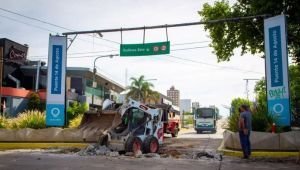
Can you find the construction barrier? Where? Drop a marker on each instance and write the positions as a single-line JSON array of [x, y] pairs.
[[288, 141], [48, 135]]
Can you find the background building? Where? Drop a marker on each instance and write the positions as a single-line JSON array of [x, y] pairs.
[[20, 77], [174, 95], [195, 105], [185, 105]]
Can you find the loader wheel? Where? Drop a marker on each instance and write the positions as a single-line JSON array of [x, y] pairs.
[[133, 144], [103, 140], [151, 145], [175, 133]]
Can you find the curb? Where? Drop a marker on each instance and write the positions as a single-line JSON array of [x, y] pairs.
[[11, 146], [265, 154]]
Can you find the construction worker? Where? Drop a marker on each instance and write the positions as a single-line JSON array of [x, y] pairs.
[[245, 127]]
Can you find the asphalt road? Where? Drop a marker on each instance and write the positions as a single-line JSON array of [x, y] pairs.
[[38, 160]]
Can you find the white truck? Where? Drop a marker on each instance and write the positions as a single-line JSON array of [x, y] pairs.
[[205, 119]]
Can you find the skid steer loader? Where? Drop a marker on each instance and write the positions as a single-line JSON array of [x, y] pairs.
[[140, 128]]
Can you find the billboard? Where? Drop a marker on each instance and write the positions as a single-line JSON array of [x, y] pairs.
[[277, 69], [56, 80]]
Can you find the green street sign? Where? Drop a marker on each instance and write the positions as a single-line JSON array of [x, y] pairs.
[[157, 48]]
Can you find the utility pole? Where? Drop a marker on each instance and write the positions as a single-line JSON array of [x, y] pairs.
[[247, 86]]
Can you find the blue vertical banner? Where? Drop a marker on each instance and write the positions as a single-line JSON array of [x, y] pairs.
[[56, 79], [277, 69]]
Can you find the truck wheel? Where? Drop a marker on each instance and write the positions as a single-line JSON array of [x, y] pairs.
[[133, 144], [151, 145], [175, 133], [199, 131]]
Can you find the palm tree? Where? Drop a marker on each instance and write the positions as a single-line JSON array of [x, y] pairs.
[[140, 89]]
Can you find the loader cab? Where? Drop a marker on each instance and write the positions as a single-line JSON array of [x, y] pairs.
[[133, 120]]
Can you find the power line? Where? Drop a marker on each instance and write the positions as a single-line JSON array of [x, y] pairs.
[[62, 27], [183, 59], [188, 43], [48, 30], [88, 52], [49, 23], [139, 28], [191, 48], [28, 24], [213, 65], [236, 19], [95, 52]]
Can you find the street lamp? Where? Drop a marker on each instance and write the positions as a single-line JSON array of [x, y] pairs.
[[95, 71]]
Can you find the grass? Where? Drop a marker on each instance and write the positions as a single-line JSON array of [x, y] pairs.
[[3, 122]]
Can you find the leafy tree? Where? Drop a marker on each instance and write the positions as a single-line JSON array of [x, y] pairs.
[[140, 89], [248, 34], [234, 117], [260, 91]]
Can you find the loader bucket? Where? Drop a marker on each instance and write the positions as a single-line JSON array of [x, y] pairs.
[[96, 124]]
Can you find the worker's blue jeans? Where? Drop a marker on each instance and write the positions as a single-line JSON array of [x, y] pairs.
[[245, 143]]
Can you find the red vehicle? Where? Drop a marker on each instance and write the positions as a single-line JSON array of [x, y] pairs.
[[170, 118]]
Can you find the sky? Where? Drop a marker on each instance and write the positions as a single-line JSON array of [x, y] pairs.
[[191, 67]]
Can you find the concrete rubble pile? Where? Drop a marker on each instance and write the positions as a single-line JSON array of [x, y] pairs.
[[94, 150], [97, 150]]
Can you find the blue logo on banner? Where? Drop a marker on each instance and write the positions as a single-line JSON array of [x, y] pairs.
[[56, 69], [276, 57], [280, 109], [55, 115]]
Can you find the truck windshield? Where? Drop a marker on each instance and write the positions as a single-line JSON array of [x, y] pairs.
[[205, 113]]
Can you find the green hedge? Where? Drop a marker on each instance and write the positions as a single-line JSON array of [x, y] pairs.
[[261, 120], [29, 119], [3, 122]]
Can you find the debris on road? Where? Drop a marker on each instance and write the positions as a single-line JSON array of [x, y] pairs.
[[138, 154], [152, 155], [95, 149], [171, 153], [209, 155]]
